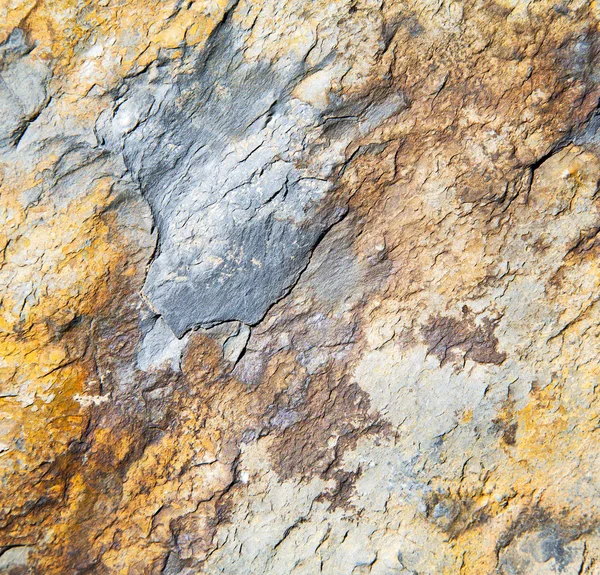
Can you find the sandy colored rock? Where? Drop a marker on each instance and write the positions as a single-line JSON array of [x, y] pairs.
[[299, 288]]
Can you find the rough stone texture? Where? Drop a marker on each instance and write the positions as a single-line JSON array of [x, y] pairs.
[[299, 287]]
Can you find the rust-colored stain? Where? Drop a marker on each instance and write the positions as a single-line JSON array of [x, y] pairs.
[[106, 469]]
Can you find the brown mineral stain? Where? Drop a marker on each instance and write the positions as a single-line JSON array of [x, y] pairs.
[[448, 336]]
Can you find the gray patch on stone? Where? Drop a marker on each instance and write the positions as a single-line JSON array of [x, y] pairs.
[[14, 47], [161, 349], [30, 197], [285, 418], [176, 566], [543, 551], [236, 172], [235, 345], [335, 274], [589, 133], [14, 557], [23, 82]]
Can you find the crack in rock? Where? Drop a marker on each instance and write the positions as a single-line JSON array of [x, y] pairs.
[[239, 175]]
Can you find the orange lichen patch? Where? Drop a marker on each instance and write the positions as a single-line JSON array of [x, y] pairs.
[[557, 429], [141, 484], [63, 259], [466, 416], [546, 470], [56, 269], [545, 459], [186, 476], [45, 418], [41, 382], [95, 43]]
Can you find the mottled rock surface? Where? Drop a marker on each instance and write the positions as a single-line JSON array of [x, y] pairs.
[[299, 287]]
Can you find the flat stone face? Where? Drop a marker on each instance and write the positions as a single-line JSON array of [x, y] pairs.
[[22, 86], [237, 172], [299, 287]]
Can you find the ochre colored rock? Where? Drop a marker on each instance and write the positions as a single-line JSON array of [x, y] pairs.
[[299, 287]]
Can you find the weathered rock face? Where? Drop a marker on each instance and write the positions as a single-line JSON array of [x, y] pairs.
[[299, 287]]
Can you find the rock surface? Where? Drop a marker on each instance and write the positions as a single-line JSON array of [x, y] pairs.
[[299, 287]]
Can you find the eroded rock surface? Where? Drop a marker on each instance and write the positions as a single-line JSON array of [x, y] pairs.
[[299, 287]]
